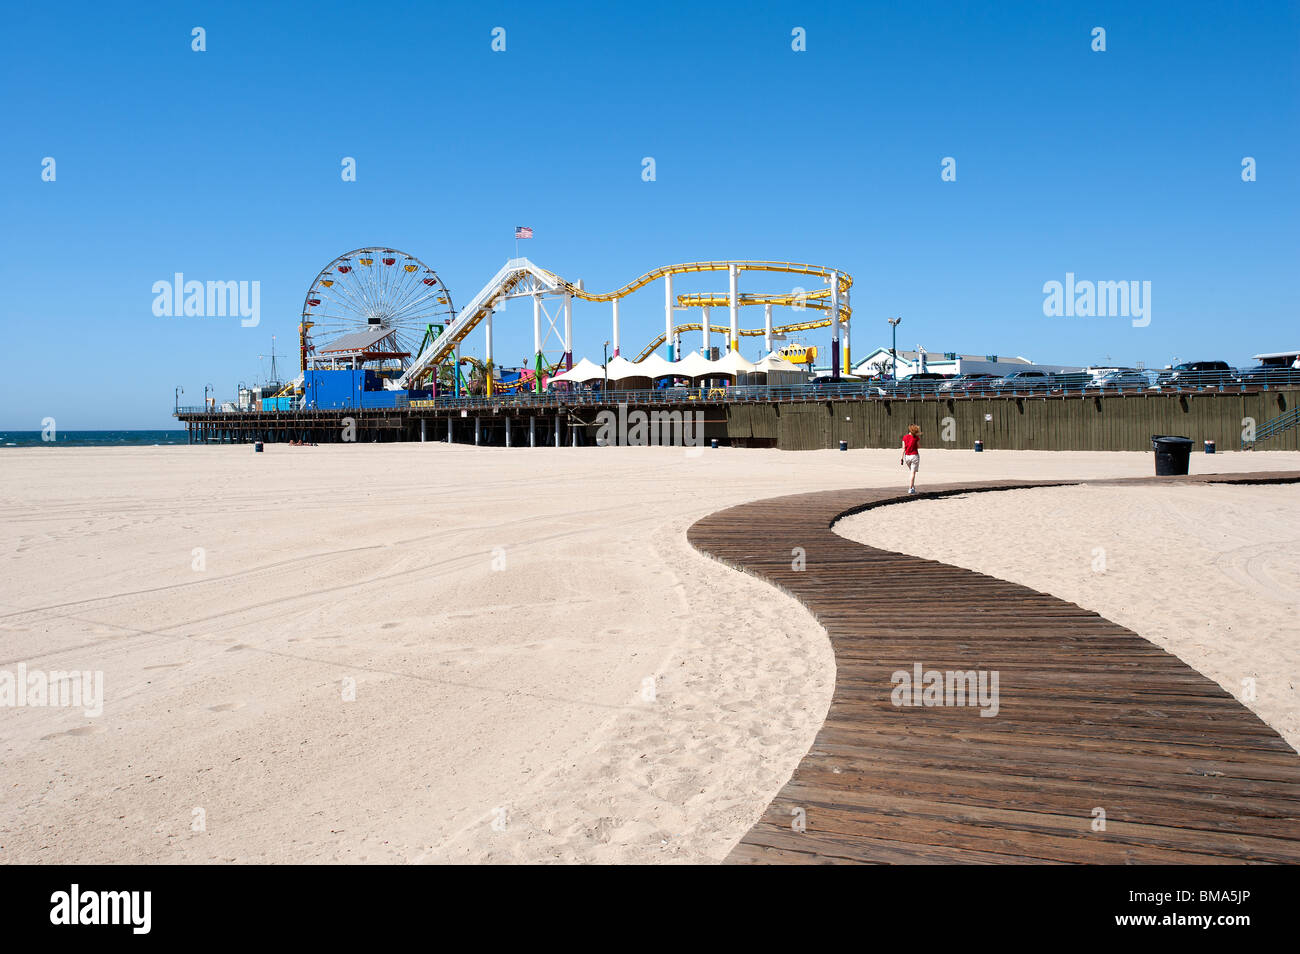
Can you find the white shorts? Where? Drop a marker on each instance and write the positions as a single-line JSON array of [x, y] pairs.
[[912, 460]]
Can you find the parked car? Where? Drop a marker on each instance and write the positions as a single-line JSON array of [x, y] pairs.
[[1270, 374], [1022, 381], [1197, 374], [923, 382], [968, 382], [1071, 380], [1120, 379]]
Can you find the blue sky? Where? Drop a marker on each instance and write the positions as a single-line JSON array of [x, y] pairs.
[[225, 165]]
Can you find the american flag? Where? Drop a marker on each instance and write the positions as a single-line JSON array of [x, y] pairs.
[[523, 231]]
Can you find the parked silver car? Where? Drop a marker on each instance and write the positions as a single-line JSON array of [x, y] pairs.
[[1122, 378], [1022, 381]]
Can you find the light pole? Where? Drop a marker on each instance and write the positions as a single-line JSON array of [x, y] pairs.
[[604, 391], [893, 350], [206, 389], [179, 391]]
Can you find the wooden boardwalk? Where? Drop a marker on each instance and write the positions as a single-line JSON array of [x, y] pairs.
[[1091, 717]]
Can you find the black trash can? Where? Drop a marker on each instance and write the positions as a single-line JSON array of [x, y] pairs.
[[1172, 454]]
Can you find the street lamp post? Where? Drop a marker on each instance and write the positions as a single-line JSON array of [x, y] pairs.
[[604, 391], [206, 389], [893, 350], [179, 391]]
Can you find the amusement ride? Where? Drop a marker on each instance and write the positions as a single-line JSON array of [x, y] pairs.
[[385, 310]]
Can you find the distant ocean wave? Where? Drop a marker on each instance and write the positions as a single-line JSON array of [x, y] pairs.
[[91, 438]]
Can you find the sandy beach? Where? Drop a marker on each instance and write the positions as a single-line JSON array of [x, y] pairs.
[[430, 653]]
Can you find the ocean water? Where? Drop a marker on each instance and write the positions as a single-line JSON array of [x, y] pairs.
[[91, 438]]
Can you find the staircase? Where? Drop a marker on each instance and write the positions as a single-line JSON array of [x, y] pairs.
[[1271, 429]]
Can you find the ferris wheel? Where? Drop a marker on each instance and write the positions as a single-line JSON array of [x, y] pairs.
[[373, 307]]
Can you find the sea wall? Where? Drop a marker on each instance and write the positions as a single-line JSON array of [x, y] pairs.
[[1116, 422]]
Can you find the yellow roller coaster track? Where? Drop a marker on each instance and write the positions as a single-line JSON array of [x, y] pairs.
[[809, 325], [794, 268]]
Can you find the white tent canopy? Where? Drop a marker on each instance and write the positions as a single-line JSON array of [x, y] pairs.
[[775, 362], [779, 371], [694, 365], [732, 363], [620, 368], [652, 367], [584, 370]]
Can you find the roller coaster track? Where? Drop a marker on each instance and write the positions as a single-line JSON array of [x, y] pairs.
[[795, 268], [517, 270], [808, 325]]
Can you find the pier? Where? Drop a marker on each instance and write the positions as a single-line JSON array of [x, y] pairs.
[[804, 418]]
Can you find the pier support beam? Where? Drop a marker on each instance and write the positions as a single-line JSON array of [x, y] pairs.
[[477, 431], [487, 355], [668, 315], [557, 430], [537, 344], [423, 438], [449, 440], [734, 301], [835, 324], [532, 432], [507, 420], [568, 332], [848, 358]]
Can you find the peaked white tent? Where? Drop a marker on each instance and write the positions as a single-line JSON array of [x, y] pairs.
[[779, 371], [620, 368], [652, 367], [694, 365], [732, 363], [584, 370]]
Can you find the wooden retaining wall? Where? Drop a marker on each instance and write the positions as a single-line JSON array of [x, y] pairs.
[[1117, 422]]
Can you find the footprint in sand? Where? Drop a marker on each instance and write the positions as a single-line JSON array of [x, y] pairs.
[[86, 730], [226, 707], [165, 666], [235, 648], [389, 625], [79, 730]]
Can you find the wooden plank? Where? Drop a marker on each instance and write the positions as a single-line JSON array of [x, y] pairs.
[[1090, 715]]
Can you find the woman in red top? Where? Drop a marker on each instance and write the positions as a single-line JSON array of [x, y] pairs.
[[912, 453]]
